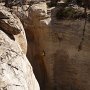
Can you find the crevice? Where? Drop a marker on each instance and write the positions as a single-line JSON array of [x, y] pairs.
[[84, 29], [16, 85], [13, 66], [8, 34]]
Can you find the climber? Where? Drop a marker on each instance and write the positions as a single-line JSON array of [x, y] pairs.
[[43, 53]]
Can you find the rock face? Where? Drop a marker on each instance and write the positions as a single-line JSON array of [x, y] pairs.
[[52, 49], [16, 73], [32, 27], [11, 24], [55, 45], [70, 65]]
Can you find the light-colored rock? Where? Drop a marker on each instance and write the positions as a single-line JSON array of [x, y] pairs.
[[39, 10], [22, 41], [13, 26], [15, 71], [66, 67]]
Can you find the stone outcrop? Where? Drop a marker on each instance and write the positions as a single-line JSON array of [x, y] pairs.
[[33, 23], [52, 49], [11, 24], [16, 73], [55, 43]]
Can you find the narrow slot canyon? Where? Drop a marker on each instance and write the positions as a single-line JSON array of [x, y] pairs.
[[36, 58], [45, 45]]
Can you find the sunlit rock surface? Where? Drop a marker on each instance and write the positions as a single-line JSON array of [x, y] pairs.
[[16, 73], [15, 70], [12, 25]]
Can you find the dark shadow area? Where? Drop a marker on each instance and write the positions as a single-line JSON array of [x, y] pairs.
[[11, 36], [36, 60]]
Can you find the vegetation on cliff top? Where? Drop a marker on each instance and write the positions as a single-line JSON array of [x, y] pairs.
[[71, 9]]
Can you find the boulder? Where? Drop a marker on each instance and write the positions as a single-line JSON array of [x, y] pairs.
[[15, 70], [12, 25]]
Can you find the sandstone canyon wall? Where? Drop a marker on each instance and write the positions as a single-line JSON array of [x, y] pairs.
[[52, 48], [16, 72], [55, 44]]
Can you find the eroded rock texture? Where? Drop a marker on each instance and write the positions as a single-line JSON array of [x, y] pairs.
[[53, 49], [12, 25], [16, 73], [55, 43], [33, 30], [71, 67]]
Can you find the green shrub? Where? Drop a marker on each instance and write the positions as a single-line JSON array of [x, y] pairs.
[[65, 13], [69, 13]]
